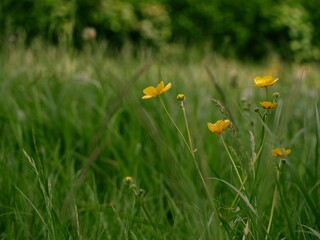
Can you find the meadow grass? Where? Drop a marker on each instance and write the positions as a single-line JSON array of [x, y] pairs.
[[73, 126]]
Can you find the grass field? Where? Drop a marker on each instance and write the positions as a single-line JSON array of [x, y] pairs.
[[73, 125]]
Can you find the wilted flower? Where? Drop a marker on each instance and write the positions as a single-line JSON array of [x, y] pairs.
[[219, 126], [277, 152], [265, 81], [268, 105], [151, 91]]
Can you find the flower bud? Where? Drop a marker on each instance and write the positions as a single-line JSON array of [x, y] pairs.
[[276, 95], [180, 97], [128, 180], [141, 192]]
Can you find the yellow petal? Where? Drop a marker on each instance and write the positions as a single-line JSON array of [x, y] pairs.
[[213, 127], [257, 80], [265, 81], [160, 87], [152, 91], [277, 152], [218, 126], [287, 152], [167, 87], [147, 96], [268, 105], [226, 123]]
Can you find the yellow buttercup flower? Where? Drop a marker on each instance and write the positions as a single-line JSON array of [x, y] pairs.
[[277, 152], [265, 81], [268, 105], [151, 91], [218, 126]]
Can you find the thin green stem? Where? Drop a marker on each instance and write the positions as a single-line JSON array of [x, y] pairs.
[[119, 220], [272, 211], [226, 226], [193, 155], [140, 197], [232, 161], [187, 126], [176, 126], [145, 210], [240, 189], [252, 165], [273, 201]]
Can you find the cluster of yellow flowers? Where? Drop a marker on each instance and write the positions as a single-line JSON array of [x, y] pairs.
[[220, 125], [265, 82]]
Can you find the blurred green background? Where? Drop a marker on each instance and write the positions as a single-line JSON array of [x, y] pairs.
[[245, 29]]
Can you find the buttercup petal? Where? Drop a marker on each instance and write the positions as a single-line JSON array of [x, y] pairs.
[[288, 151], [160, 87], [265, 81], [218, 126], [226, 123], [147, 96], [150, 91], [277, 152], [268, 105], [167, 87], [155, 91]]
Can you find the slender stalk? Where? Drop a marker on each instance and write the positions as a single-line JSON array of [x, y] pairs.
[[232, 161], [145, 210], [176, 126], [267, 93], [187, 126], [272, 211], [273, 201], [139, 194], [252, 167], [147, 213], [192, 153], [225, 225], [119, 220]]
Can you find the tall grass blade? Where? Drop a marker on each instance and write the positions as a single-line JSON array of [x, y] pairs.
[[312, 231], [34, 207], [317, 142], [244, 198]]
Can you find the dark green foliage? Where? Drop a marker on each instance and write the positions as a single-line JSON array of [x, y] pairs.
[[243, 28]]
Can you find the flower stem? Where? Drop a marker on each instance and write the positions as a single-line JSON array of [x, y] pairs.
[[176, 126], [187, 127], [148, 215], [192, 153], [271, 212], [252, 167], [273, 201], [232, 161]]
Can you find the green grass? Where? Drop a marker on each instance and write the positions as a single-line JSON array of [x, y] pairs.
[[73, 126]]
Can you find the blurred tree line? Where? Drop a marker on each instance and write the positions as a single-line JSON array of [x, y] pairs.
[[251, 28]]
